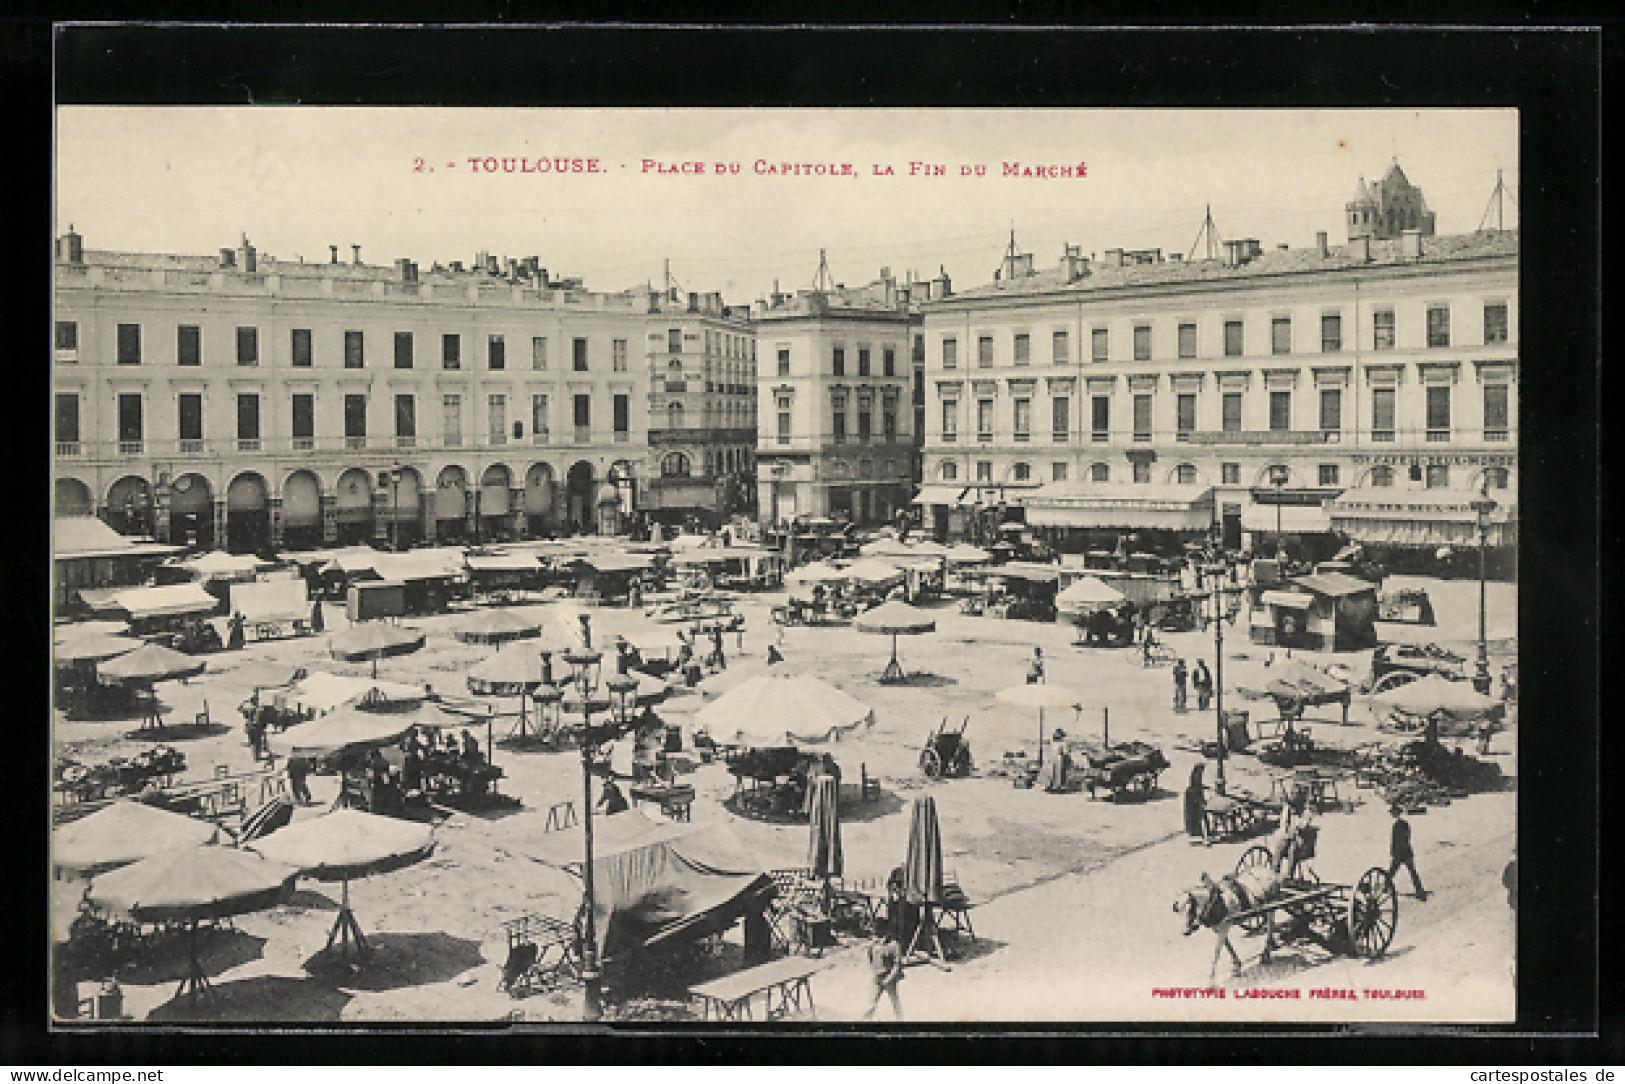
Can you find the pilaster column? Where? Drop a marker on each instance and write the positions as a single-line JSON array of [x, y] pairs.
[[275, 514], [330, 518], [220, 519]]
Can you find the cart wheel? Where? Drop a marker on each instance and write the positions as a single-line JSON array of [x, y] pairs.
[[1393, 680], [1373, 913], [1255, 857], [930, 763]]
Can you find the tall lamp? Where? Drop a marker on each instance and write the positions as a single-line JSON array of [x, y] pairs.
[[1279, 476], [1482, 507], [1223, 605]]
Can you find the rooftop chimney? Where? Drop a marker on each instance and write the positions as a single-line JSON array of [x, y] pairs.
[[355, 255], [228, 258], [1114, 257], [248, 256], [456, 265], [1320, 243], [71, 247], [1362, 249], [1410, 244], [405, 271], [333, 250]]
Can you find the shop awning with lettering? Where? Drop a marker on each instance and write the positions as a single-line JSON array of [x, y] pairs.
[[1294, 518], [1429, 517], [1169, 507]]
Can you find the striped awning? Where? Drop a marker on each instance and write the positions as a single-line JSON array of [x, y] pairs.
[[1185, 508], [1429, 517]]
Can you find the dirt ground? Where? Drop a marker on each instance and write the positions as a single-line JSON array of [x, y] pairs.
[[1073, 919]]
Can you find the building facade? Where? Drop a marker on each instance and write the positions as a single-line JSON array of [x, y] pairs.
[[835, 402], [1368, 389], [245, 402]]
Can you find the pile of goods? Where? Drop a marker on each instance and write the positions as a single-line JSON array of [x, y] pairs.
[[119, 776], [1420, 774], [1120, 768]]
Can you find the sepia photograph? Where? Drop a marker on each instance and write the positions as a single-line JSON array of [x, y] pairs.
[[915, 565]]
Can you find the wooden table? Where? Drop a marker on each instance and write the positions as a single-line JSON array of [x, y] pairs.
[[782, 982], [674, 799]]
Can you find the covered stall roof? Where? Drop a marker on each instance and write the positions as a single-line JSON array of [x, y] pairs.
[[86, 536], [504, 562], [321, 691], [271, 600], [171, 601], [1334, 584], [1428, 517], [1025, 570], [1297, 600], [429, 564], [716, 555], [1171, 507], [615, 562], [216, 565]]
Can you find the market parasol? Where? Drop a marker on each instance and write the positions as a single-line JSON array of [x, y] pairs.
[[374, 640], [922, 870], [647, 690], [967, 555], [824, 856], [1086, 595], [1040, 696], [74, 630], [343, 728], [93, 647], [1292, 684], [774, 710], [495, 626], [881, 547], [125, 832], [817, 572], [344, 844], [190, 884], [899, 619], [147, 665], [506, 673], [1434, 693], [872, 571]]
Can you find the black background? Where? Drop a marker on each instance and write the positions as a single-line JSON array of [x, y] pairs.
[[1552, 76]]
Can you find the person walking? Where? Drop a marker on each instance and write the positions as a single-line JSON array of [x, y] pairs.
[[1400, 852], [1202, 679], [1180, 674], [1196, 806], [716, 648], [586, 631], [885, 972], [1035, 669], [298, 769]]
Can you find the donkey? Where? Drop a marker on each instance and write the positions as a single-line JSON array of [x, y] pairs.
[[1215, 903]]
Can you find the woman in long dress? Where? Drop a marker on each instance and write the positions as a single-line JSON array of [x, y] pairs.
[[1196, 804]]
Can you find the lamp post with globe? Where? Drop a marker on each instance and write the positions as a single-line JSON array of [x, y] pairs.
[[1482, 507]]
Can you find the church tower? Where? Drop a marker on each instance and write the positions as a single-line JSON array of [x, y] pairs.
[[1384, 210]]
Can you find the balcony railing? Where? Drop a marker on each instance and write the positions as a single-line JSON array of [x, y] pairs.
[[1100, 436], [1496, 435], [129, 447], [949, 438], [406, 441], [248, 444], [583, 434], [193, 447], [67, 447], [1438, 435], [304, 444], [496, 438], [452, 440], [1382, 436], [355, 443], [540, 436], [1059, 436], [622, 436], [1022, 438]]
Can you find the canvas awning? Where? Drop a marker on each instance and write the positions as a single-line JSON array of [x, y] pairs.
[[1294, 599], [171, 601], [271, 600], [504, 562], [1295, 518], [952, 496], [1025, 570], [1334, 584], [1429, 517], [616, 562], [1173, 507], [86, 536]]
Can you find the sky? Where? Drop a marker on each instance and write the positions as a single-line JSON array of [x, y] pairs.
[[399, 182]]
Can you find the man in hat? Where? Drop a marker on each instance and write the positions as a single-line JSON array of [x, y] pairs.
[[1202, 681], [1180, 673], [1053, 776], [1035, 669], [1400, 852], [885, 972]]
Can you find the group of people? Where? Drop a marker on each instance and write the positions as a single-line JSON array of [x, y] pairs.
[[1201, 679]]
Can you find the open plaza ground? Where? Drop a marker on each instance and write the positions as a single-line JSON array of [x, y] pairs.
[[1072, 895]]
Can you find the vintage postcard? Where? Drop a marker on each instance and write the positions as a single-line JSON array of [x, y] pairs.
[[731, 565]]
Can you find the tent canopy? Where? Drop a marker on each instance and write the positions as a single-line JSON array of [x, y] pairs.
[[172, 601], [347, 729], [125, 832], [1088, 593], [321, 691], [775, 710], [193, 883], [272, 600]]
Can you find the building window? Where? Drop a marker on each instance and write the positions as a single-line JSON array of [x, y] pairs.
[[496, 416], [1099, 344], [248, 419], [950, 353], [304, 421], [1100, 417], [674, 415], [129, 344], [538, 353], [451, 351], [621, 416], [1495, 477], [1280, 411], [67, 418], [1060, 418], [1382, 414], [354, 350], [1234, 343], [406, 418], [1023, 410], [1382, 329], [1142, 417], [1331, 410], [863, 361], [301, 347], [67, 335], [784, 427], [248, 346], [950, 419], [949, 471], [984, 470], [864, 422], [1185, 474], [188, 345], [1438, 325], [451, 420], [1230, 412], [1438, 413], [1281, 335], [1328, 474], [1438, 476], [888, 426], [837, 426], [403, 350], [674, 465], [578, 349], [1495, 323], [618, 355], [355, 418], [784, 361], [984, 419], [496, 352], [1057, 472], [1100, 472], [583, 413], [539, 433], [1060, 352], [1142, 472], [1187, 340], [189, 415], [1230, 474], [984, 352], [1382, 477], [1023, 349], [674, 340], [1331, 333], [1021, 472], [129, 418], [1142, 342], [1185, 410], [1496, 413]]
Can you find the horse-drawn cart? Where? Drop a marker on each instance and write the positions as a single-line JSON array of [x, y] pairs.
[[946, 752], [1237, 815]]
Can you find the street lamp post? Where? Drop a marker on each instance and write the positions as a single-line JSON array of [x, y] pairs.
[[395, 509], [1278, 478], [1218, 606], [1482, 507]]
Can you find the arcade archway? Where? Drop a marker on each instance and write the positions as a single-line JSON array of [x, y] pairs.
[[301, 510], [353, 507], [402, 488], [129, 506], [539, 483], [495, 523], [248, 514], [191, 511], [580, 498], [73, 498], [451, 503]]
